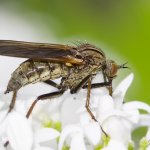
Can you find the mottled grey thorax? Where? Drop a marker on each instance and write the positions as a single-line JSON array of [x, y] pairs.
[[77, 74]]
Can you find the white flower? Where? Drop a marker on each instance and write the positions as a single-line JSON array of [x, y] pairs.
[[77, 134], [16, 129], [77, 124], [43, 137], [115, 145], [118, 119]]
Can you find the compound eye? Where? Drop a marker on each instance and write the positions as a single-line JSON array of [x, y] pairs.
[[113, 70]]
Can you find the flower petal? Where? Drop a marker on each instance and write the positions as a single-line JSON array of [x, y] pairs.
[[121, 90], [3, 115], [19, 132], [70, 129], [93, 133], [132, 115], [137, 105], [77, 142], [2, 147], [106, 106], [46, 134], [1, 104], [68, 113], [148, 134], [115, 145], [84, 119], [116, 129], [144, 120], [43, 148]]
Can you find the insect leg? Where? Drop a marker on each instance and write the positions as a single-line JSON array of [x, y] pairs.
[[81, 84], [43, 97], [87, 105], [104, 76], [52, 83], [74, 90], [97, 85], [110, 87], [103, 84], [107, 83], [11, 106], [110, 83]]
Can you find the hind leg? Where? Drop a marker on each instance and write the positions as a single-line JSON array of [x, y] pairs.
[[13, 101], [12, 104]]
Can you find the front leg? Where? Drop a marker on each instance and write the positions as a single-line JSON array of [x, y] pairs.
[[80, 85], [102, 84], [98, 85], [109, 80], [110, 87], [87, 105]]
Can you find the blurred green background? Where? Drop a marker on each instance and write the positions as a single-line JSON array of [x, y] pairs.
[[120, 27]]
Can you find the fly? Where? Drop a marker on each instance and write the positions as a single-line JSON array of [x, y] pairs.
[[75, 65]]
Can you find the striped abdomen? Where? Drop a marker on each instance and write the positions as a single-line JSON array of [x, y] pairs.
[[33, 71]]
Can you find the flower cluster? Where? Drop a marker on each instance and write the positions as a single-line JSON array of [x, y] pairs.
[[67, 125]]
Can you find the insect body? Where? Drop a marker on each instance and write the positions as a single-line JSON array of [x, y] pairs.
[[33, 72], [76, 66]]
